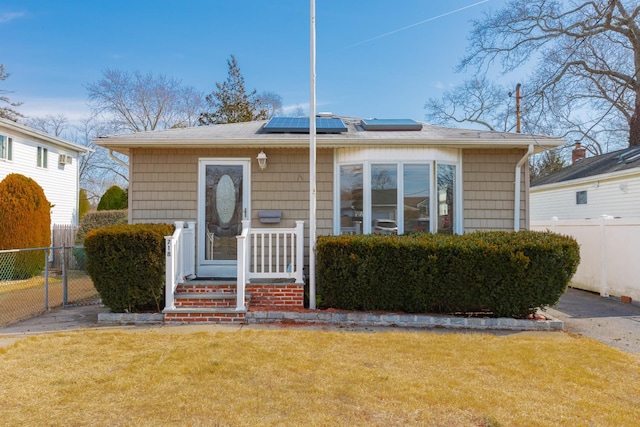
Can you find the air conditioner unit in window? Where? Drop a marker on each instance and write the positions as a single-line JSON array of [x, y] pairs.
[[63, 159]]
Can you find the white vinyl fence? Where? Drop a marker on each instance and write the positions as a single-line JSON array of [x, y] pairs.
[[609, 253]]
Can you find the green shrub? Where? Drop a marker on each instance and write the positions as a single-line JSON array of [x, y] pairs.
[[115, 198], [127, 265], [91, 221], [83, 204], [25, 222], [497, 273]]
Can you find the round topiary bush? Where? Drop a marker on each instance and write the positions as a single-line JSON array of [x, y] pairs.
[[115, 198], [25, 222]]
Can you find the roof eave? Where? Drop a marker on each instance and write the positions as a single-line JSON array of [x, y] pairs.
[[587, 179], [45, 136], [125, 144]]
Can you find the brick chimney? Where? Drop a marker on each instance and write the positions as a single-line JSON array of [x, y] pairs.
[[578, 153]]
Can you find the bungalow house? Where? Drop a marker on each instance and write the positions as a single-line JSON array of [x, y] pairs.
[[243, 192], [50, 161], [608, 184]]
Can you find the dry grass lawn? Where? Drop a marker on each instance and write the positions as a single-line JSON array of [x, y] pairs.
[[255, 377]]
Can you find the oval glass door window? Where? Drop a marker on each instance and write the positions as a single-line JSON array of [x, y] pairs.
[[225, 199]]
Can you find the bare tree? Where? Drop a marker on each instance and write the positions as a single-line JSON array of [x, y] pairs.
[[271, 102], [476, 101], [588, 62], [8, 112], [98, 169], [142, 102], [54, 125]]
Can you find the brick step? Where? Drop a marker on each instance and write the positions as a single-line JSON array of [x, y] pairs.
[[204, 315], [207, 299], [207, 286]]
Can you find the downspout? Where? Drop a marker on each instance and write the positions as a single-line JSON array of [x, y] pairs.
[[117, 160], [516, 200]]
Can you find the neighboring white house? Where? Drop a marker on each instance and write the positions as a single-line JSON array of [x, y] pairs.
[[608, 184], [50, 161]]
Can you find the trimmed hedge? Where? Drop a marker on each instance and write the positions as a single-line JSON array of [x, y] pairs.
[[502, 274], [25, 222], [91, 221], [127, 265]]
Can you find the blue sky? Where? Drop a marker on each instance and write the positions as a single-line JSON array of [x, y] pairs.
[[375, 58]]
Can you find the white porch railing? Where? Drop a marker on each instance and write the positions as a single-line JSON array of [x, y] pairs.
[[180, 259], [269, 253], [263, 253]]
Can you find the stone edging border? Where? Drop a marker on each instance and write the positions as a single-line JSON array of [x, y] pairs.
[[405, 320], [127, 318], [362, 319]]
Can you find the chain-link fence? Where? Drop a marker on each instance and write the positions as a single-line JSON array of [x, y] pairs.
[[33, 281]]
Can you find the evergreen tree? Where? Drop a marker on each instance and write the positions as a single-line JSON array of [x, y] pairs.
[[84, 205], [115, 198], [230, 103]]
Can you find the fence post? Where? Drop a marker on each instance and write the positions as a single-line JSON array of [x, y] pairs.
[[46, 279], [554, 221], [603, 259], [65, 283]]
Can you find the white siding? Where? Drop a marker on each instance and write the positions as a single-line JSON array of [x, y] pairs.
[[59, 182], [617, 196]]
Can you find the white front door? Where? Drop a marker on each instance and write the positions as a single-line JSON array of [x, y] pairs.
[[223, 202]]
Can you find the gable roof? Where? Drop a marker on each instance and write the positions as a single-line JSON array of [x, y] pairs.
[[43, 136], [616, 161], [251, 134]]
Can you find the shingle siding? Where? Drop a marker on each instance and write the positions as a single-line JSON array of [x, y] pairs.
[[165, 185], [488, 189]]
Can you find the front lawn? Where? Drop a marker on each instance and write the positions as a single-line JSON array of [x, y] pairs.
[[251, 377]]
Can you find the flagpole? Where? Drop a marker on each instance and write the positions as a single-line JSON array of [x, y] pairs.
[[312, 163]]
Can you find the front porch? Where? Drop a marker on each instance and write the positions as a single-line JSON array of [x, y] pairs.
[[270, 264]]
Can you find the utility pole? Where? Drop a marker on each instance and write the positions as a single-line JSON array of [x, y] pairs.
[[518, 108]]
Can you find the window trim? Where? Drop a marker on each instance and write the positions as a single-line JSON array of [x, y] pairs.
[[457, 226], [42, 157], [6, 148], [581, 197]]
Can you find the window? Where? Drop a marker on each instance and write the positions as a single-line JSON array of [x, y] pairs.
[[351, 199], [384, 192], [581, 197], [6, 147], [417, 198], [396, 197], [42, 157], [446, 197]]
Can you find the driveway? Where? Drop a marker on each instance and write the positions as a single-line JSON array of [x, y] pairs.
[[604, 319]]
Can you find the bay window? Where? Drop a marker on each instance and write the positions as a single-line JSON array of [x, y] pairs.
[[397, 196]]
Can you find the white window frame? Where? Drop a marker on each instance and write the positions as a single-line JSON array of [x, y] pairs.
[[366, 196], [6, 148], [42, 157]]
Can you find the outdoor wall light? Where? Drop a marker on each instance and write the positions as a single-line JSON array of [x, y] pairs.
[[262, 160]]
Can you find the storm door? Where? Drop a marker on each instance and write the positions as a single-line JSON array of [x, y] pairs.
[[223, 187]]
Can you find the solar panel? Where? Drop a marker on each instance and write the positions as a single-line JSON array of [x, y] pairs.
[[301, 125], [390, 124]]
